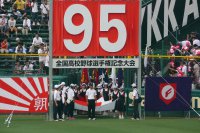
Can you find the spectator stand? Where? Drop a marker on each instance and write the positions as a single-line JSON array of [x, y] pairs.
[[8, 60]]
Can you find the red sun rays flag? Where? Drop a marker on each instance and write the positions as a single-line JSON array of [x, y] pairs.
[[24, 95], [84, 76]]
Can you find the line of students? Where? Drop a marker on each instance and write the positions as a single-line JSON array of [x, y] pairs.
[[64, 99]]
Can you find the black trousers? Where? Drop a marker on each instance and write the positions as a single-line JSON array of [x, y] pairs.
[[91, 108], [57, 110], [135, 109], [70, 109]]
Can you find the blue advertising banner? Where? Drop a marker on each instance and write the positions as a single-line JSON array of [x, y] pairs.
[[168, 94]]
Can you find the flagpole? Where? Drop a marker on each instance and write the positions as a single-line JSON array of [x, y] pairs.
[[140, 58], [50, 114]]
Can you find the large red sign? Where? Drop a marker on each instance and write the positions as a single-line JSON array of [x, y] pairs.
[[96, 28], [24, 95]]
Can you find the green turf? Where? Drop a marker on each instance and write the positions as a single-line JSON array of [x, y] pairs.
[[36, 124]]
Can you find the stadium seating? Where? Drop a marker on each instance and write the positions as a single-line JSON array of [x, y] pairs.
[[7, 63]]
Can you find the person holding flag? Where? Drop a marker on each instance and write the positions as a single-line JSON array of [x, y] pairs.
[[63, 91], [91, 100], [70, 103]]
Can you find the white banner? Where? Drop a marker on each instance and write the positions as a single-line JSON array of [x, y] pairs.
[[96, 63]]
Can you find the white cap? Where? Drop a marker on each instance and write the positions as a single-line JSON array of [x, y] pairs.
[[63, 83], [105, 83], [72, 85], [83, 84], [133, 85], [99, 86], [56, 86]]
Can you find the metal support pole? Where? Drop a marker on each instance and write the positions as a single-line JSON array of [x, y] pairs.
[[162, 62], [50, 114], [140, 59]]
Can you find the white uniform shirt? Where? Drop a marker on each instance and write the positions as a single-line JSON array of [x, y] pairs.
[[34, 7], [91, 93], [37, 41], [11, 23], [135, 93], [29, 67], [56, 95], [27, 23], [41, 58], [64, 90], [47, 60], [24, 50], [44, 8], [70, 94]]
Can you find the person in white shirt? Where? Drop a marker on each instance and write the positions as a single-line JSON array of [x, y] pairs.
[[91, 100], [135, 102], [45, 11], [42, 58], [47, 61], [36, 43], [28, 68], [20, 49], [57, 103], [70, 103], [3, 23], [34, 6], [12, 25], [184, 69], [64, 91], [26, 26]]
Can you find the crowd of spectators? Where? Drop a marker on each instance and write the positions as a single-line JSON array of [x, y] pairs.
[[183, 67], [19, 20]]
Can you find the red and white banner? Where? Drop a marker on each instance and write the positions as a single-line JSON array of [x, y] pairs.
[[93, 28], [101, 105], [24, 95]]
